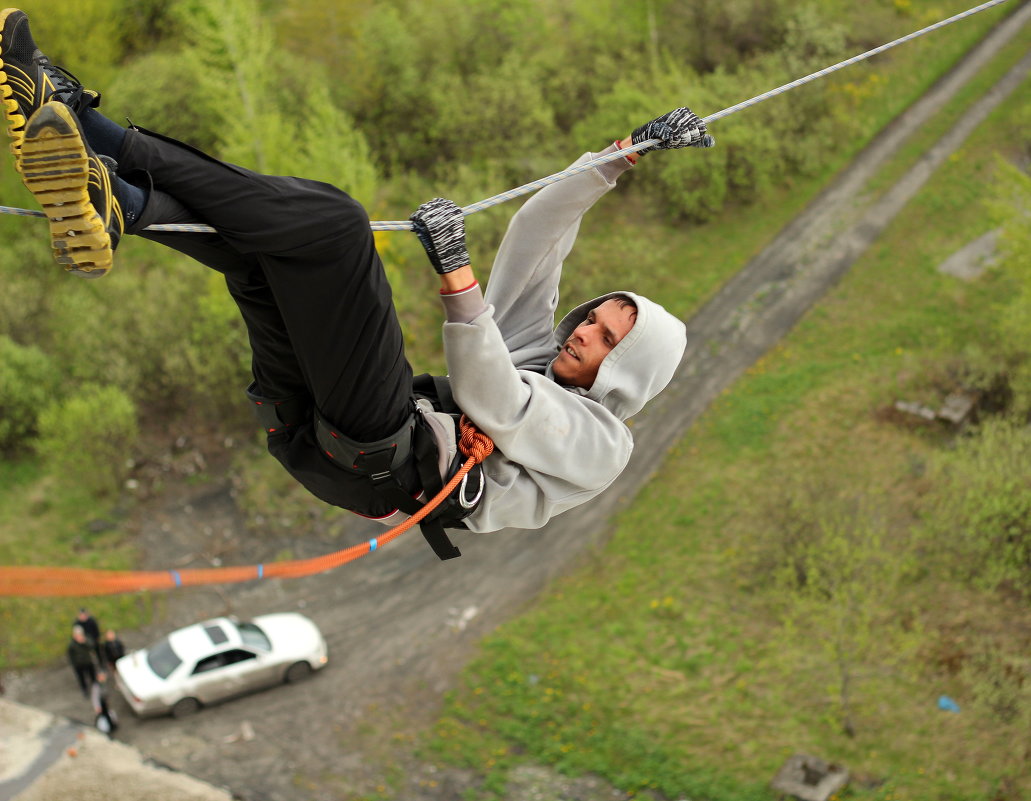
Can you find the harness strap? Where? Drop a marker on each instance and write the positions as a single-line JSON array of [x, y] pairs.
[[426, 465], [275, 415], [378, 460]]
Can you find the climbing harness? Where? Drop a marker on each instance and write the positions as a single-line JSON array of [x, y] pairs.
[[411, 451], [533, 186], [379, 461]]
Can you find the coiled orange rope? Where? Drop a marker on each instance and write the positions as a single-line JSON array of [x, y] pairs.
[[55, 581]]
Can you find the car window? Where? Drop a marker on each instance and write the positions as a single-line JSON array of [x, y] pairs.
[[215, 634], [223, 659], [162, 659], [238, 655], [209, 663], [252, 636]]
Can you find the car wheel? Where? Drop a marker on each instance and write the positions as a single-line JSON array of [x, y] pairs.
[[185, 707], [298, 671]]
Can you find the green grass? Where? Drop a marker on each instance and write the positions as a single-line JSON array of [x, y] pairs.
[[665, 666], [918, 144], [43, 523]]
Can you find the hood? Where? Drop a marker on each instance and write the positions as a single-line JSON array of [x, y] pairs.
[[643, 362]]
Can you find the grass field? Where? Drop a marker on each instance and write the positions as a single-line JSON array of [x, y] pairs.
[[676, 662]]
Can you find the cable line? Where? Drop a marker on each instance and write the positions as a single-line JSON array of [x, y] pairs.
[[540, 183]]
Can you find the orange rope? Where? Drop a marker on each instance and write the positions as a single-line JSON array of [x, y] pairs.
[[53, 581]]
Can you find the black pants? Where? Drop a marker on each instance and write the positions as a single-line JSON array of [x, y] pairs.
[[299, 259], [85, 675]]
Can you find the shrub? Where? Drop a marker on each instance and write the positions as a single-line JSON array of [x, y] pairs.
[[86, 438], [28, 380], [979, 511]]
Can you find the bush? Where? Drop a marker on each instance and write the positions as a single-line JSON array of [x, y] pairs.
[[979, 511], [28, 380], [87, 438]]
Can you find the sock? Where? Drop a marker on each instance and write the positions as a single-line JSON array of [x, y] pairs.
[[104, 136], [131, 198]]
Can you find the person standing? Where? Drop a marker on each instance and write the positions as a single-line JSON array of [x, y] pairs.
[[112, 650], [82, 657], [106, 720], [91, 628]]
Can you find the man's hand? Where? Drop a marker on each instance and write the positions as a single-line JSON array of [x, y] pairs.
[[680, 127], [440, 226]]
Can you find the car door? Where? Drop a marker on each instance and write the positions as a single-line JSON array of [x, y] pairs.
[[248, 670], [220, 675]]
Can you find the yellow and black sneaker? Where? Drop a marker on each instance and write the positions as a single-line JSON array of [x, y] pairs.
[[28, 79], [75, 188]]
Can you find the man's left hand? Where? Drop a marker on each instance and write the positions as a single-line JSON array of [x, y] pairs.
[[680, 127]]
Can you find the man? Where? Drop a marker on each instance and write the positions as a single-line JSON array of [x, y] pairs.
[[112, 650], [91, 629], [331, 384], [88, 624], [105, 718], [82, 656]]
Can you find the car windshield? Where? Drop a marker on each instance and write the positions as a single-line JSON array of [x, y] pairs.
[[254, 637], [162, 659]]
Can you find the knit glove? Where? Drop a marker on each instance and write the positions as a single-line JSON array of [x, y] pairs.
[[680, 127], [440, 226]]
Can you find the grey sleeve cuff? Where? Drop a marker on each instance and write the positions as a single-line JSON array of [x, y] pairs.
[[464, 306], [613, 169]]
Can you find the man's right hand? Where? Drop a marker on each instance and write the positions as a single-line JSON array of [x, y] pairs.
[[440, 226]]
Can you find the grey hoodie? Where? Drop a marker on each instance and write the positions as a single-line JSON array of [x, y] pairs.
[[556, 447]]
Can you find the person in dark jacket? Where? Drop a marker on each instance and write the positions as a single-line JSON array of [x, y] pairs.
[[82, 656], [89, 625], [112, 649]]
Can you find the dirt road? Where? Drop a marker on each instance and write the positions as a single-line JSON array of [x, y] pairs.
[[401, 624]]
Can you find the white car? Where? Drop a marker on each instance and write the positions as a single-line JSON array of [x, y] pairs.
[[217, 659]]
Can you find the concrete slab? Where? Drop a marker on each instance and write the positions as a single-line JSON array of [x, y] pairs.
[[47, 758]]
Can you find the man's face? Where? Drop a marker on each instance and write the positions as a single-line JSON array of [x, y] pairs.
[[583, 352]]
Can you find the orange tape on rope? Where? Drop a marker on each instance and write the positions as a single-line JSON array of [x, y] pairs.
[[57, 581]]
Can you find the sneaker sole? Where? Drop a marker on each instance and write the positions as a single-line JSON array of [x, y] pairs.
[[55, 168], [15, 120]]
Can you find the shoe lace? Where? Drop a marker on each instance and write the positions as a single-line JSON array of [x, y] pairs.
[[68, 89]]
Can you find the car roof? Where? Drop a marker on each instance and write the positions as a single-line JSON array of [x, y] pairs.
[[202, 639]]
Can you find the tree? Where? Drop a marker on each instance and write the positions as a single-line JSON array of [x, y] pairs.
[[87, 438]]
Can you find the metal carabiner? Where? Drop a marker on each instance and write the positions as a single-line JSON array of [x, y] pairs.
[[461, 491]]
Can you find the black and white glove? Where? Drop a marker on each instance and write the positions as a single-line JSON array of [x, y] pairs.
[[440, 226], [680, 127]]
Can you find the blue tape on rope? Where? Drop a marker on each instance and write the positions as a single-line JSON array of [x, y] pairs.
[[176, 578], [372, 544], [261, 571]]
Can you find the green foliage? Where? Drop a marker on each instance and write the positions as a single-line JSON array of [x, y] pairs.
[[1014, 320], [979, 512], [212, 361], [87, 438], [166, 91], [278, 121], [28, 381], [1001, 684]]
